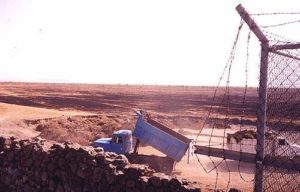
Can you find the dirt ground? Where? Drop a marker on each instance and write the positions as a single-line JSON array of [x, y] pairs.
[[81, 113]]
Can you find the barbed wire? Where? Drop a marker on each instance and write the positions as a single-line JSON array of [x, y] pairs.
[[227, 66], [277, 38], [227, 96], [232, 53], [243, 105], [275, 13], [280, 24]]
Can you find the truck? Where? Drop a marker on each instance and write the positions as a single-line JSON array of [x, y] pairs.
[[275, 146], [150, 132]]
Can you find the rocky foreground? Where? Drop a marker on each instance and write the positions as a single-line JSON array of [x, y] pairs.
[[37, 165]]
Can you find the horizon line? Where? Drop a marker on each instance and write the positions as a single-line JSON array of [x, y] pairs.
[[120, 84]]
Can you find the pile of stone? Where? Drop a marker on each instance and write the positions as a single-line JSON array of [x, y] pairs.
[[35, 165]]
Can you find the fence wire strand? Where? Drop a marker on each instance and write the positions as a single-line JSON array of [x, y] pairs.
[[280, 24], [275, 13]]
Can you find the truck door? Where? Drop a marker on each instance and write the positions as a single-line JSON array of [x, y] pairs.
[[127, 143], [117, 144]]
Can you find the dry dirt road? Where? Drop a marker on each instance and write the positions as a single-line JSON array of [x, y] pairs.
[[82, 113]]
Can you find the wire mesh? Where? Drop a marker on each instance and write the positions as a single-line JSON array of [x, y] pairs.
[[282, 149]]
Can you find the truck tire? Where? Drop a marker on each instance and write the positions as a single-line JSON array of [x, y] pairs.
[[166, 166], [159, 164]]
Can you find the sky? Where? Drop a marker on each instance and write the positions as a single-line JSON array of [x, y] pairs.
[[167, 42]]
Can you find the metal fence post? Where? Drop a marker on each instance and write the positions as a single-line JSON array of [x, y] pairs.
[[262, 101], [261, 116]]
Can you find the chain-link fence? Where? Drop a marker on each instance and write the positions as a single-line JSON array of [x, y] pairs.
[[265, 145], [282, 150], [278, 113]]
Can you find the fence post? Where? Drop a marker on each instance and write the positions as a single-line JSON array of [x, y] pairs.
[[262, 101], [261, 116]]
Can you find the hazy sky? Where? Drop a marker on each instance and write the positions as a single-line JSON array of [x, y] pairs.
[[119, 41]]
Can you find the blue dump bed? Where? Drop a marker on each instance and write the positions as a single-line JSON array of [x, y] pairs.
[[162, 138]]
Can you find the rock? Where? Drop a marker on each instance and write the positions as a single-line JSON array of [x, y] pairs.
[[51, 167], [108, 161], [122, 157], [16, 173], [155, 181], [44, 176], [132, 190], [121, 178], [26, 166], [130, 183], [110, 178], [97, 175], [2, 143], [99, 150], [80, 172], [185, 182], [7, 180], [121, 161], [234, 190], [73, 167], [7, 143], [28, 162], [24, 178], [59, 189], [150, 189], [132, 173], [15, 145], [52, 185], [175, 183], [143, 182], [10, 156], [165, 179], [27, 188]]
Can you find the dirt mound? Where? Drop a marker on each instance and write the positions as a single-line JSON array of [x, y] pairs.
[[240, 135], [79, 129], [248, 134]]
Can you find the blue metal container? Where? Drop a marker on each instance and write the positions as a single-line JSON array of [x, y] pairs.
[[169, 142]]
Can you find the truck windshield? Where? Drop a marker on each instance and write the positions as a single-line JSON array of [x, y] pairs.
[[128, 138]]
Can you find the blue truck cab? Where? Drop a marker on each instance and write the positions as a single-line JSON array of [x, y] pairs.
[[120, 143]]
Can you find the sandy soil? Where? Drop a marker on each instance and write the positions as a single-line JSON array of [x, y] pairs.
[[202, 169], [82, 113], [13, 119]]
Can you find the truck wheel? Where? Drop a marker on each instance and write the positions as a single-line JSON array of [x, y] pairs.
[[166, 166]]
